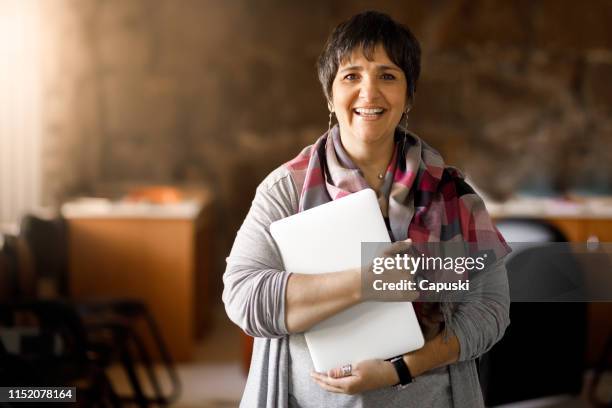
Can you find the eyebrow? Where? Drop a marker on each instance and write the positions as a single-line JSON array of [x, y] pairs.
[[379, 67]]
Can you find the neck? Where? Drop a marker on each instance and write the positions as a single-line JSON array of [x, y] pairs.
[[371, 158]]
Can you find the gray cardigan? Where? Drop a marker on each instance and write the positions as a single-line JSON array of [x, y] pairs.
[[254, 298]]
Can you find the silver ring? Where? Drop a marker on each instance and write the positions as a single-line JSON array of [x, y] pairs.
[[347, 369]]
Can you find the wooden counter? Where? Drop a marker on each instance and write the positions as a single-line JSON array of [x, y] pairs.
[[159, 258]]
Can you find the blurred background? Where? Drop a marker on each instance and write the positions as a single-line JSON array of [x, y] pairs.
[[133, 134]]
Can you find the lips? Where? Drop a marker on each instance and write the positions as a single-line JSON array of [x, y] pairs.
[[369, 112]]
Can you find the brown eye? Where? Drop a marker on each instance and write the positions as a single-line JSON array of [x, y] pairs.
[[388, 77]]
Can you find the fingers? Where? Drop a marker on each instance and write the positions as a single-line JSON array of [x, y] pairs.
[[339, 372], [343, 371], [398, 247], [412, 296], [342, 385], [336, 373], [328, 387]]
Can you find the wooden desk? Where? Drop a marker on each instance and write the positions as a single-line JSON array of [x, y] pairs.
[[161, 259]]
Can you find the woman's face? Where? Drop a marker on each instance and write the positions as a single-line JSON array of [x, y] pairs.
[[368, 97]]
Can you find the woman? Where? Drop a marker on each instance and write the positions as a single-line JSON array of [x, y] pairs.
[[368, 70]]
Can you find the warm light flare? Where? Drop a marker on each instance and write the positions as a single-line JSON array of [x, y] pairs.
[[20, 121]]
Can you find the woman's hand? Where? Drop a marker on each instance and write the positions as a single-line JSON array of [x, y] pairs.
[[393, 273], [366, 375]]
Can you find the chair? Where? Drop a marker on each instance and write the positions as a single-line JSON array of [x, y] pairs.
[[51, 349], [47, 241], [16, 277], [542, 352], [8, 267]]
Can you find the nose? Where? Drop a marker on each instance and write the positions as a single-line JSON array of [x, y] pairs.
[[369, 88]]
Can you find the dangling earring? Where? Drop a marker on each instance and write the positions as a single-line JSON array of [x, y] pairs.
[[406, 121], [331, 112]]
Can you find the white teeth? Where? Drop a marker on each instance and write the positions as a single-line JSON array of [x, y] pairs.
[[366, 111]]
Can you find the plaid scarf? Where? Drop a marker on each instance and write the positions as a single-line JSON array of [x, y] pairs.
[[421, 198]]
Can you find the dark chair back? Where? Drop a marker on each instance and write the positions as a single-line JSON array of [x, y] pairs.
[[17, 279], [52, 350], [48, 243], [542, 352], [50, 341], [9, 271]]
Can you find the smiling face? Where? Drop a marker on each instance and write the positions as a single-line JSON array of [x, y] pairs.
[[368, 97]]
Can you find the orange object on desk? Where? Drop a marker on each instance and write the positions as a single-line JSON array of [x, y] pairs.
[[155, 194]]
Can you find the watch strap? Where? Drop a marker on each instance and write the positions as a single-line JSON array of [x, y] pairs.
[[403, 372]]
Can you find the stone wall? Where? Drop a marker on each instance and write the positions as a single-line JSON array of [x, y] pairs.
[[517, 93]]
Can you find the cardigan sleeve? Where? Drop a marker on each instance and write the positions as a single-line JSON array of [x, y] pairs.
[[482, 316], [254, 279]]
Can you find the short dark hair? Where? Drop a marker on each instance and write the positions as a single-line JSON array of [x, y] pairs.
[[366, 30]]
